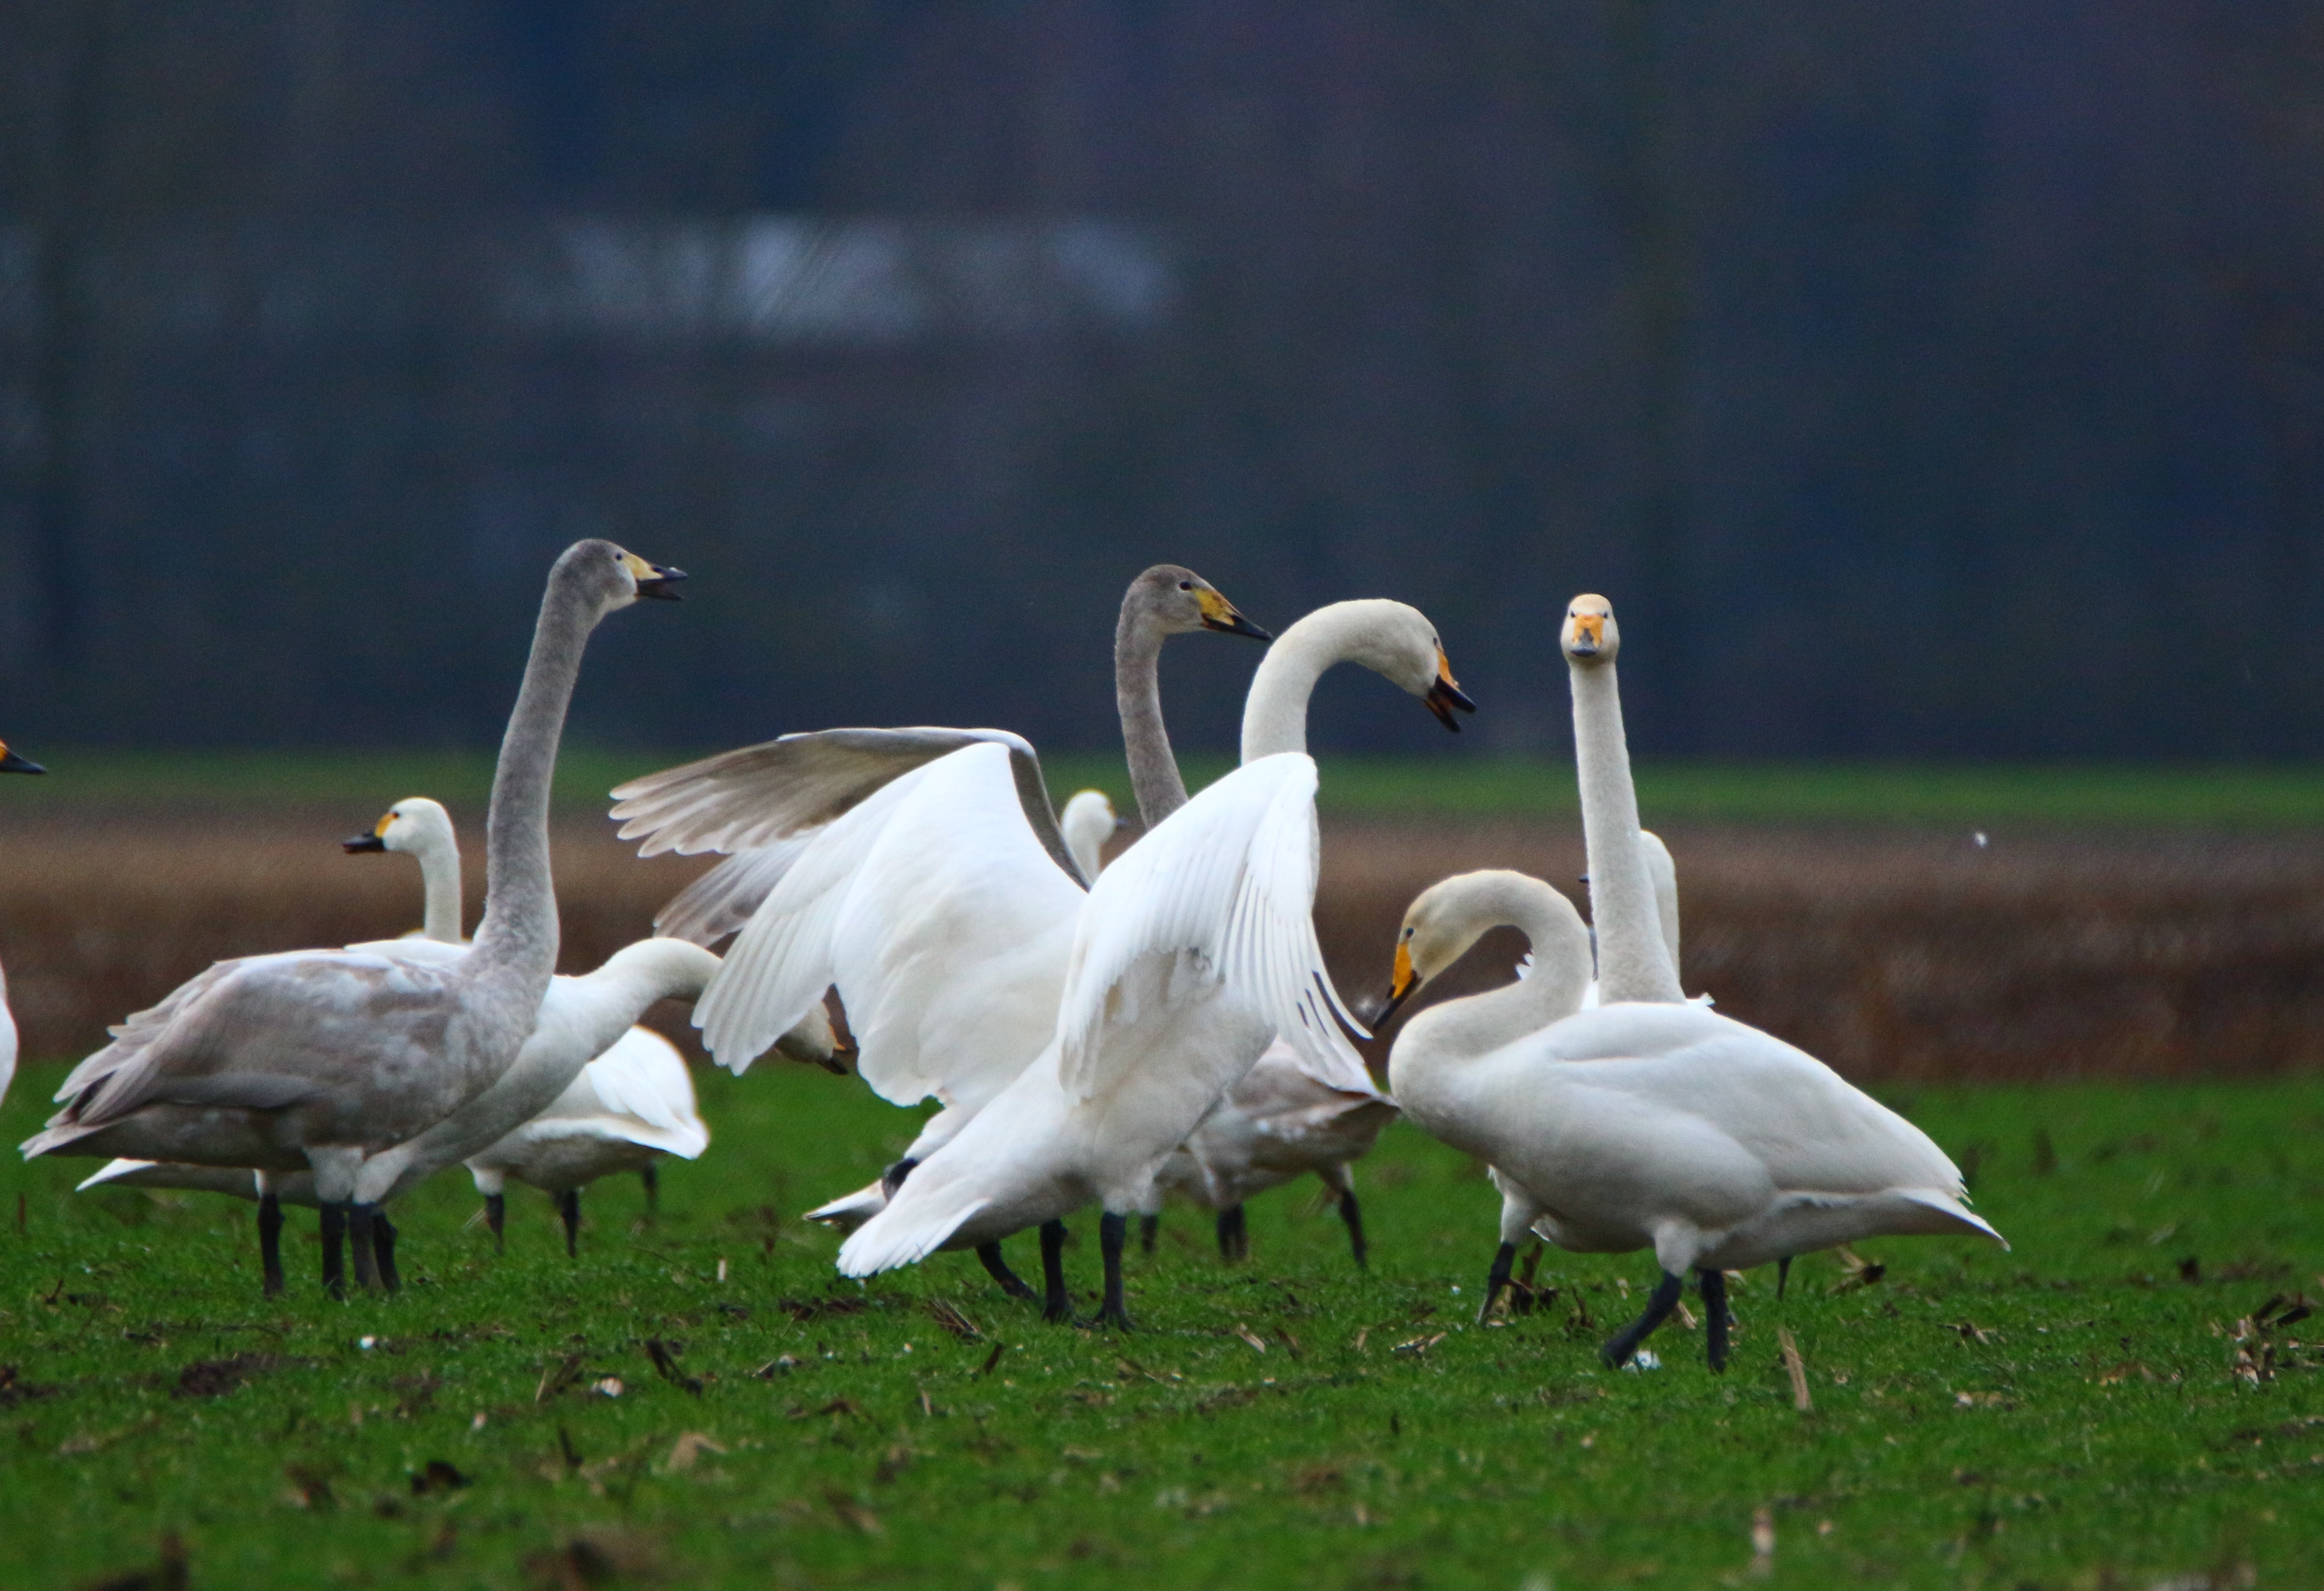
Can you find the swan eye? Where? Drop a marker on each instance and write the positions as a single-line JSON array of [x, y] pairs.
[[1185, 586]]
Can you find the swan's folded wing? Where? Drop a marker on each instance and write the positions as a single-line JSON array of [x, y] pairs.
[[642, 1075], [940, 918], [264, 1032], [1222, 894]]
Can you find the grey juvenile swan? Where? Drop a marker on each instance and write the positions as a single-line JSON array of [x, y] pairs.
[[322, 1060]]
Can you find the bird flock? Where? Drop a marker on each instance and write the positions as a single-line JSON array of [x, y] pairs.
[[1108, 1035]]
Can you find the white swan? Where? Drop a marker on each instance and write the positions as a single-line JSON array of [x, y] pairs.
[[10, 762], [1648, 1122], [322, 1060], [1087, 823], [936, 893], [625, 1110], [1192, 953], [419, 828]]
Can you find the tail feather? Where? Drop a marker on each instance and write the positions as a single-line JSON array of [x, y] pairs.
[[851, 1211], [1954, 1207], [903, 1235]]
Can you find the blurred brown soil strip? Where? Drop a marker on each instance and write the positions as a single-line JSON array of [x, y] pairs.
[[1894, 956]]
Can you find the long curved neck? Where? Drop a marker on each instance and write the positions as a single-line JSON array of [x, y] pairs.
[[1138, 696], [519, 924], [1463, 1029], [1633, 962], [439, 877], [633, 979], [1274, 713]]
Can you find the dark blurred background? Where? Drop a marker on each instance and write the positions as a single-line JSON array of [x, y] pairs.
[[1934, 380]]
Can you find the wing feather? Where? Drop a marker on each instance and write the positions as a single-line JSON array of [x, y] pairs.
[[1218, 897], [937, 915]]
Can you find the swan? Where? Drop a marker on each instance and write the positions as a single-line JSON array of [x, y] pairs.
[[1087, 823], [575, 1014], [10, 762], [322, 1060], [1648, 1122], [623, 1111], [840, 837], [1189, 956]]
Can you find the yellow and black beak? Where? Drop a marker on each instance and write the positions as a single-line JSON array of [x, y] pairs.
[[12, 763], [654, 580], [1588, 635], [375, 840], [1220, 614], [1401, 989], [1446, 695]]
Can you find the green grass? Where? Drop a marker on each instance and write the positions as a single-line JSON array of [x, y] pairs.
[[1968, 795], [2065, 1416]]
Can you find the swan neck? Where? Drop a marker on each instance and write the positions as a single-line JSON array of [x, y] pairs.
[[1454, 1032], [439, 877], [1634, 962], [520, 921], [1154, 776], [1274, 712]]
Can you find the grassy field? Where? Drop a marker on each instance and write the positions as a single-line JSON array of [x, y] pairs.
[[2108, 1405], [1945, 795]]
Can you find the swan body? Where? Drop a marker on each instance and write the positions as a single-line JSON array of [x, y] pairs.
[[324, 1060], [10, 762], [1191, 954]]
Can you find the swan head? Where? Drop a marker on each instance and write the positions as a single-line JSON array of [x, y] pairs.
[[1179, 601], [1087, 823], [1590, 635], [1395, 641], [10, 762], [414, 825], [1448, 917], [610, 576]]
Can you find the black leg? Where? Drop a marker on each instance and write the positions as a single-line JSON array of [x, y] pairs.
[[651, 1175], [1234, 1233], [1714, 1315], [1623, 1344], [1496, 1278], [269, 1244], [1112, 1237], [996, 1267], [496, 1217], [1058, 1308], [335, 1242], [382, 1239], [1147, 1226], [568, 1205], [1783, 1275], [359, 1239], [1353, 1215]]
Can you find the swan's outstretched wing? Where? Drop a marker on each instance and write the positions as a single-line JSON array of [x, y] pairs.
[[937, 916], [749, 799], [1218, 899]]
